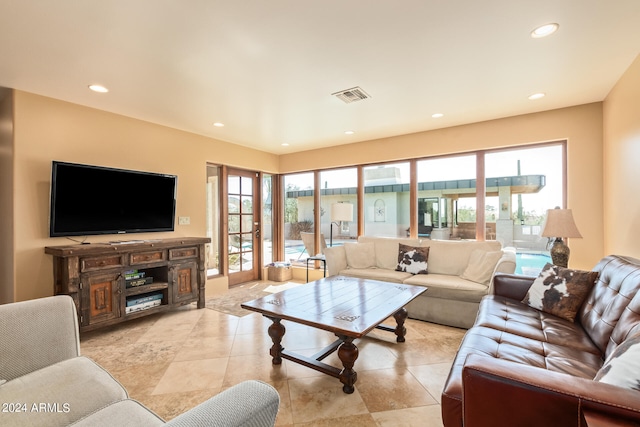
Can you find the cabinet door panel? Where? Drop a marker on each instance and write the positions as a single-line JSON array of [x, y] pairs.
[[185, 287], [102, 295]]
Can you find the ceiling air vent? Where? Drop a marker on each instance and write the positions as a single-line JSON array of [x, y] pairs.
[[352, 95]]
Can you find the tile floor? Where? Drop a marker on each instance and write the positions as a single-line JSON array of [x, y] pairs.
[[173, 361]]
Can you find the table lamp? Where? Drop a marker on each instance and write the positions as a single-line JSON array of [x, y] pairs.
[[560, 224], [340, 212]]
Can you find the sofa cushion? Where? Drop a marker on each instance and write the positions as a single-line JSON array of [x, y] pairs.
[[452, 256], [622, 368], [613, 306], [360, 255], [376, 274], [481, 266], [121, 413], [75, 388], [449, 287], [412, 259], [560, 291], [387, 249], [511, 316]]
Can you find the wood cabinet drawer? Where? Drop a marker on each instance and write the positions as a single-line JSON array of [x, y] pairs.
[[146, 257], [182, 253], [102, 262]]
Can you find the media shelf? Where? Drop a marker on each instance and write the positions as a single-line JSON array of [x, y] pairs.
[[100, 278]]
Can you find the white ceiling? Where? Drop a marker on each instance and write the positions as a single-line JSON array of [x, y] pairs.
[[267, 69]]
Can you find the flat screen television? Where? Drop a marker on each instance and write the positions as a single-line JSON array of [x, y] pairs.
[[91, 200]]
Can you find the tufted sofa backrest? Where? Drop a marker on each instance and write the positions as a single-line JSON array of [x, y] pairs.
[[612, 309]]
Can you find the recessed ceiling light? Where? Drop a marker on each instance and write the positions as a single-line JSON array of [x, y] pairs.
[[98, 88], [544, 30], [536, 96], [284, 144], [218, 124], [437, 115], [349, 132]]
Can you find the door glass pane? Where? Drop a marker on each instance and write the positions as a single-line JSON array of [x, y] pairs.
[[247, 242], [444, 185], [298, 214], [247, 224], [234, 223], [247, 204], [212, 249], [386, 200], [234, 204], [247, 185], [233, 185]]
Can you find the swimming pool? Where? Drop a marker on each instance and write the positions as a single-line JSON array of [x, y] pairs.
[[530, 264]]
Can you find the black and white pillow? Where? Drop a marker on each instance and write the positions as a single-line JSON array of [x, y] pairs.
[[412, 259], [560, 291]]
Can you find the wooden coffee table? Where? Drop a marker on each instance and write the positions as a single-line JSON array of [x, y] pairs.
[[348, 307]]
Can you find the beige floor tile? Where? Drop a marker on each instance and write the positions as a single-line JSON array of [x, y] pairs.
[[432, 377], [364, 420], [426, 351], [192, 375], [248, 344], [150, 353], [425, 416], [253, 366], [170, 405], [318, 398], [253, 324], [389, 389], [167, 331], [139, 380], [195, 348], [209, 327]]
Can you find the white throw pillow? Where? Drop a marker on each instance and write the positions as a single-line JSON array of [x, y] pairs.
[[623, 366], [360, 255], [481, 266]]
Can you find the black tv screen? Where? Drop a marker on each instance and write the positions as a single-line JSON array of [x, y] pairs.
[[90, 200]]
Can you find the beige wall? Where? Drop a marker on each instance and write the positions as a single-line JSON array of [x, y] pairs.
[[48, 129], [581, 126], [6, 200], [621, 165]]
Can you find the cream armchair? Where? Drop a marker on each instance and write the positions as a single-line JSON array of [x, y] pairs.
[[44, 381]]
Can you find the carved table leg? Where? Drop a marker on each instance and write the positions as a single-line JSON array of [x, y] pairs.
[[276, 332], [348, 353], [400, 316]]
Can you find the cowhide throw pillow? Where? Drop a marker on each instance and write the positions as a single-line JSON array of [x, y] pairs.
[[412, 259], [560, 291], [622, 368]]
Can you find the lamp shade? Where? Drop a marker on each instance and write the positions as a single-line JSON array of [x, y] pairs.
[[342, 212], [560, 223]]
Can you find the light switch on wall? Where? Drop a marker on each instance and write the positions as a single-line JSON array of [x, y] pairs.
[[184, 220]]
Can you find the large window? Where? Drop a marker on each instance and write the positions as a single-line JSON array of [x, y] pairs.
[[339, 196], [298, 216], [446, 186], [386, 200], [521, 185]]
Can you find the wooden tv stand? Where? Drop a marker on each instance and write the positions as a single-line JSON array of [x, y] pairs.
[[94, 276]]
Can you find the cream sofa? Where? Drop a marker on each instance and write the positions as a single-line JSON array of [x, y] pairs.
[[45, 382], [460, 273]]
